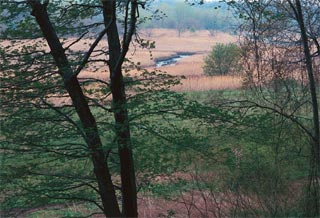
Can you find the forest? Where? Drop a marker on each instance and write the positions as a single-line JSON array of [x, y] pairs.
[[159, 108]]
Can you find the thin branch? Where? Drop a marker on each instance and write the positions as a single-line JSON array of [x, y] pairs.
[[66, 117], [77, 40], [128, 36], [290, 117], [85, 80], [88, 54]]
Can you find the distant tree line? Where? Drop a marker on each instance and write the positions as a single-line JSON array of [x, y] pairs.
[[179, 15]]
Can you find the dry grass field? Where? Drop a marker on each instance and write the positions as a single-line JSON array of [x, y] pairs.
[[169, 44], [204, 83], [199, 43]]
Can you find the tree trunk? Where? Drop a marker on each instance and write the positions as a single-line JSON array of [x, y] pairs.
[[101, 170], [119, 108], [314, 209]]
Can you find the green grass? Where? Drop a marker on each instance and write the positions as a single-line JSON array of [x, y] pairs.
[[192, 143], [170, 190], [72, 210], [214, 95]]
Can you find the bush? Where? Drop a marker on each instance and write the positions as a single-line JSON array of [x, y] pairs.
[[223, 59]]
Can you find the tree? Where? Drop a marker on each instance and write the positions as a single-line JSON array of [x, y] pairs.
[[314, 206], [116, 58], [277, 45], [180, 16], [65, 132], [31, 66], [222, 60]]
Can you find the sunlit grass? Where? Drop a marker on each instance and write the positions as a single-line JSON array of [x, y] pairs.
[[204, 83]]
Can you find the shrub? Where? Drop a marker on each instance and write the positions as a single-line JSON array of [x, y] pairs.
[[223, 59]]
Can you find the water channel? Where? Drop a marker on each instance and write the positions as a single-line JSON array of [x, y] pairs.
[[171, 60]]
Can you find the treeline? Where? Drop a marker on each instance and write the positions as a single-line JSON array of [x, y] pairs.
[[179, 15]]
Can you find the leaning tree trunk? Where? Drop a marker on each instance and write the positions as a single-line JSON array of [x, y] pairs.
[[119, 103], [71, 84]]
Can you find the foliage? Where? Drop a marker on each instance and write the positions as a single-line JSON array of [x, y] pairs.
[[276, 61], [223, 59], [61, 124], [250, 146], [45, 157]]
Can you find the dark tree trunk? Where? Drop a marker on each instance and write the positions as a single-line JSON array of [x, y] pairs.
[[119, 108], [314, 187], [106, 188]]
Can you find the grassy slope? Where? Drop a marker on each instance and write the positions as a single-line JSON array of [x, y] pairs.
[[196, 86]]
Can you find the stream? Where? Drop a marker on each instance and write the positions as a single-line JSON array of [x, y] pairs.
[[171, 60]]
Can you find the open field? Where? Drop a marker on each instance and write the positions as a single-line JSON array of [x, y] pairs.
[[169, 44], [205, 83]]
